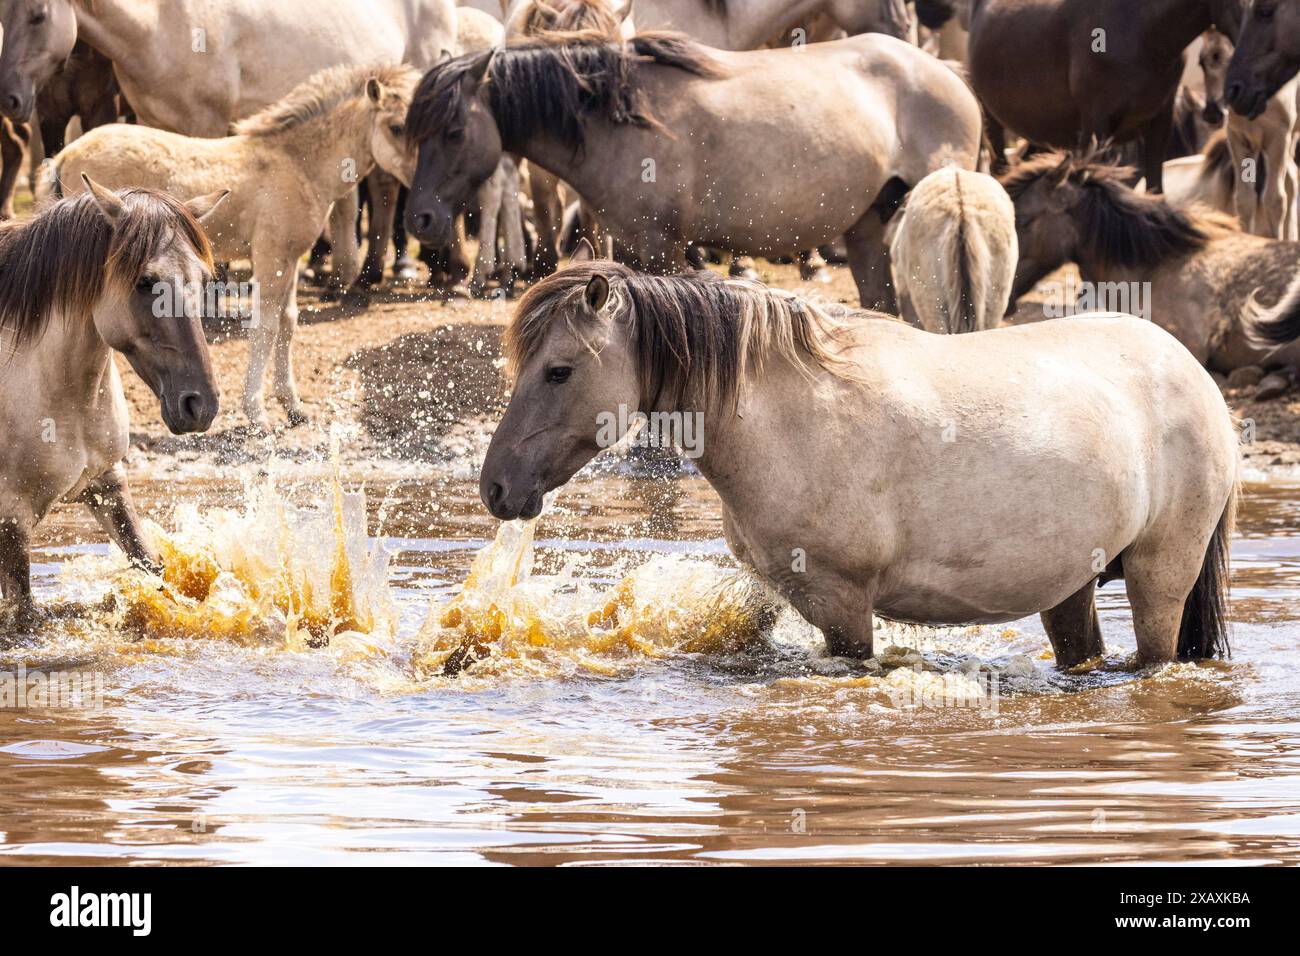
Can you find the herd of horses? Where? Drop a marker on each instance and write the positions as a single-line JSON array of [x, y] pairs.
[[878, 451]]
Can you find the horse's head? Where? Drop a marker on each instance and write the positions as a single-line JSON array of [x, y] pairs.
[[1046, 197], [1216, 54], [390, 97], [1267, 57], [38, 37], [573, 369], [459, 145], [150, 307]]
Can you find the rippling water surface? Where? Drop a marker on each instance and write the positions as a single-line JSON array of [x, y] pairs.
[[612, 732]]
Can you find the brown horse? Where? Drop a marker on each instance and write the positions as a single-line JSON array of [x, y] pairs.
[[1267, 57], [673, 143], [1064, 72], [1190, 271]]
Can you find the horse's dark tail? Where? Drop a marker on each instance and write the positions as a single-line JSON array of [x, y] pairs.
[[962, 316], [1204, 632], [1281, 325]]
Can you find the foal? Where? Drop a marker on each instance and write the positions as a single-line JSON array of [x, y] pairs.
[[285, 166], [83, 278]]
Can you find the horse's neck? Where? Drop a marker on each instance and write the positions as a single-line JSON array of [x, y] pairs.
[[586, 171], [333, 148], [119, 29], [68, 366], [1166, 27]]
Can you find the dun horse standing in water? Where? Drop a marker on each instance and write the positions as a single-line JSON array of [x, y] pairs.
[[1192, 271], [80, 280], [914, 483], [285, 169], [761, 153]]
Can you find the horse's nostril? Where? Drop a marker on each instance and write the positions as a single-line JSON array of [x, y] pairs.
[[496, 494], [1233, 92], [423, 221], [191, 405], [14, 104]]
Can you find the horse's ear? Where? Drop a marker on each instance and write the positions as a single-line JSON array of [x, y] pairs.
[[375, 90], [624, 16], [480, 68], [596, 293], [109, 203], [584, 252], [201, 207], [444, 56]]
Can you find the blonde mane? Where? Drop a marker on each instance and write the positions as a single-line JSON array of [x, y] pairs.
[[321, 93], [695, 335]]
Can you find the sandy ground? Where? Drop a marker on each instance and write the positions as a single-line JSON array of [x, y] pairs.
[[414, 378]]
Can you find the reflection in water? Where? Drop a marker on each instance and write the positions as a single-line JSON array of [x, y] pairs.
[[755, 750]]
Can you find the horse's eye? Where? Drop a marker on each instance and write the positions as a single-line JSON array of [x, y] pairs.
[[1264, 12], [37, 18], [146, 284], [455, 135], [397, 129], [559, 374]]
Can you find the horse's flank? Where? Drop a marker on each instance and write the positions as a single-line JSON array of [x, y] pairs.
[[64, 259], [694, 336]]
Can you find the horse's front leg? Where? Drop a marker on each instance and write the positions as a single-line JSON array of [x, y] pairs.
[[1155, 145], [344, 246], [839, 608], [109, 499], [270, 265], [489, 209], [383, 190], [15, 564], [286, 387]]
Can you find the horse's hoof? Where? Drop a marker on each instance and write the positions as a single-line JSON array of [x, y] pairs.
[[479, 290], [356, 297], [749, 275], [405, 273], [820, 274], [297, 417]]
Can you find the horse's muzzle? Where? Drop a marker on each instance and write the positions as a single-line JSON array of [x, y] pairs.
[[190, 412], [1247, 99], [432, 227], [17, 104], [507, 507]]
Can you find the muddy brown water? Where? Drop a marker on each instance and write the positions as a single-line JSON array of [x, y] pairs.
[[227, 754]]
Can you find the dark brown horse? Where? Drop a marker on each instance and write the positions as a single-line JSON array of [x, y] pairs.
[[1268, 55], [1064, 72]]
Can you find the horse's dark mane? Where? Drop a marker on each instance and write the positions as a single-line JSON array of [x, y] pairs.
[[63, 259], [552, 83], [692, 335], [1118, 226]]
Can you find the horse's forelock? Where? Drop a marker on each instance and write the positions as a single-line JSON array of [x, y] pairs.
[[65, 258], [692, 337]]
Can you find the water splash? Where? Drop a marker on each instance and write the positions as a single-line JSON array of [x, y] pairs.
[[272, 573], [507, 621]]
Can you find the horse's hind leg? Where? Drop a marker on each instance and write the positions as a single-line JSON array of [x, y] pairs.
[[869, 253], [1073, 627], [1159, 578], [109, 499]]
